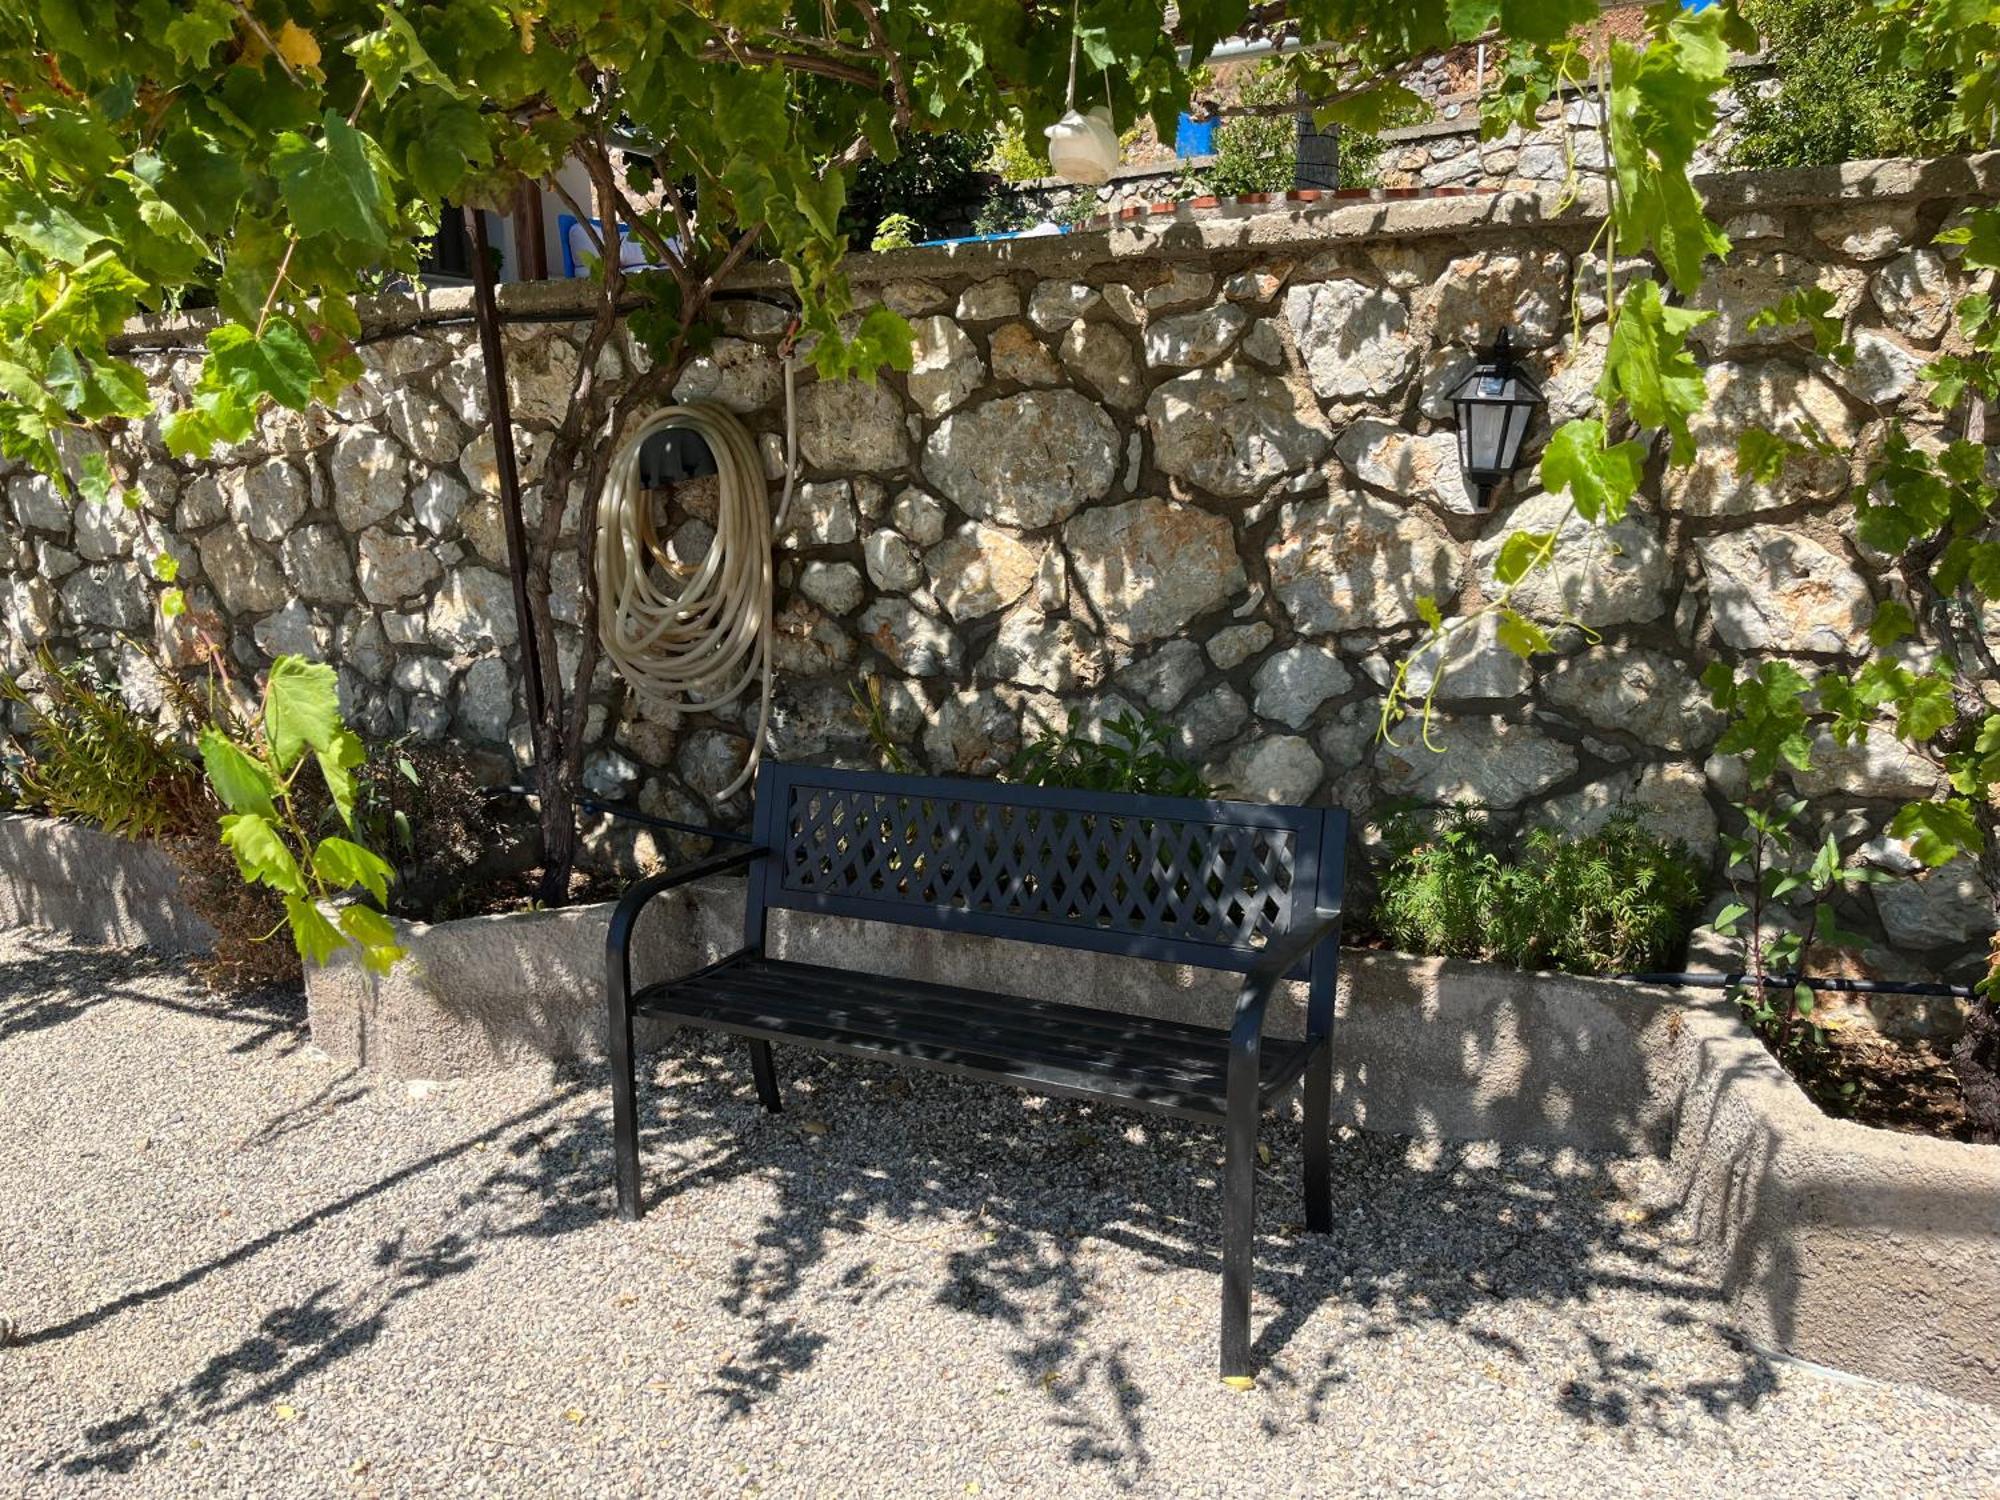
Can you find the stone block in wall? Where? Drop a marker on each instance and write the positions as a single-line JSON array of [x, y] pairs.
[[1611, 575], [1737, 289], [1102, 358], [371, 477], [1293, 683], [1773, 589], [946, 367], [1644, 693], [1272, 768], [1019, 355], [1525, 291], [1779, 397], [979, 570], [1148, 567], [1027, 460], [1349, 562], [1385, 456], [1354, 338], [1054, 305], [1489, 760], [852, 426], [736, 373], [1233, 430], [1193, 338], [244, 575]]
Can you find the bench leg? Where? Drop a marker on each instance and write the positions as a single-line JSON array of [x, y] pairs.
[[1319, 1153], [1239, 1226], [625, 1118], [765, 1071]]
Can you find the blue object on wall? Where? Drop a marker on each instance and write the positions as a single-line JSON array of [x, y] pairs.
[[1194, 137]]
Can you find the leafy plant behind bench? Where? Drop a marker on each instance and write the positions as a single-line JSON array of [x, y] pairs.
[[1133, 755], [1616, 900]]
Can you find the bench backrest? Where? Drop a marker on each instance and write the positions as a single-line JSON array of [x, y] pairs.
[[1173, 878]]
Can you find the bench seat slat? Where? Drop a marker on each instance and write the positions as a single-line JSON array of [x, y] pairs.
[[1168, 1066], [1021, 1023]]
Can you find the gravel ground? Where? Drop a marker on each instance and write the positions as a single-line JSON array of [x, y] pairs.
[[238, 1268]]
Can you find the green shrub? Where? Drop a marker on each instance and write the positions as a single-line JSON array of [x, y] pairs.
[[1260, 153], [1836, 97], [936, 183], [1617, 900], [895, 232], [1257, 153]]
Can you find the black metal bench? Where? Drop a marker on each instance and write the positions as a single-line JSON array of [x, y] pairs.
[[1223, 885]]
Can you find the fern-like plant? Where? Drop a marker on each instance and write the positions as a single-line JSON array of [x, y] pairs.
[[86, 754]]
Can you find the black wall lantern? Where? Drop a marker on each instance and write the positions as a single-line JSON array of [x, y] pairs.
[[1493, 405]]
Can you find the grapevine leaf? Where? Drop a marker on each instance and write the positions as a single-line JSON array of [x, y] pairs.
[[1649, 368], [199, 29], [336, 765], [1601, 480], [316, 938], [333, 186], [278, 363], [375, 935], [1521, 635], [1939, 830], [239, 778], [261, 853], [1521, 554], [301, 709], [343, 865]]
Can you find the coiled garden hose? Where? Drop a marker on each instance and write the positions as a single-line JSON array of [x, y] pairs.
[[704, 644]]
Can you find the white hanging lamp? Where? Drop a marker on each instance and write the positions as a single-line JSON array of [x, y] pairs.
[[1083, 148]]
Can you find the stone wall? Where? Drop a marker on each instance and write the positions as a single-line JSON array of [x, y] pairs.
[[1201, 468], [1448, 151], [1442, 153]]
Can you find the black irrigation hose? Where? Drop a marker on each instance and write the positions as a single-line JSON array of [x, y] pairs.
[[1684, 980], [627, 814], [1792, 981], [631, 815]]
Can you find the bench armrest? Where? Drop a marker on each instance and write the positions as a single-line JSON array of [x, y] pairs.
[[618, 941], [1278, 960]]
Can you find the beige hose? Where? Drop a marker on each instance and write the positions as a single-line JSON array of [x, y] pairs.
[[704, 646]]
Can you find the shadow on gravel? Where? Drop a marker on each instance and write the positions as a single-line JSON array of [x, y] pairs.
[[61, 980], [868, 1167], [1053, 1183]]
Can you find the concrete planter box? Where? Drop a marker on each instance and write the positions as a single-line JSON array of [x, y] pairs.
[[121, 893], [1864, 1249]]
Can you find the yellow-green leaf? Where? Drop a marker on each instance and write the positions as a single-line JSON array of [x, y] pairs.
[[301, 709], [342, 864], [262, 855], [316, 938], [241, 780]]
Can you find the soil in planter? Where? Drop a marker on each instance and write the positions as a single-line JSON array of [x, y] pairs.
[[520, 890], [1893, 1083]]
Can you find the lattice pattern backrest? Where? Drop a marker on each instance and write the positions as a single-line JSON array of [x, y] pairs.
[[1199, 881]]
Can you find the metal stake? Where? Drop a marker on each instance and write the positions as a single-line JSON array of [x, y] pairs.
[[494, 353]]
